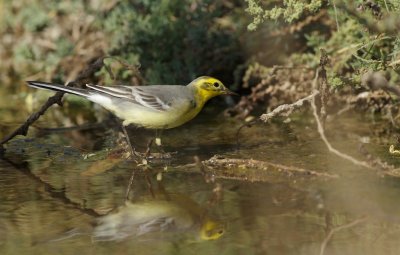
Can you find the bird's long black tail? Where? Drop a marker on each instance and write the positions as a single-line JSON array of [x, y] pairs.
[[58, 87]]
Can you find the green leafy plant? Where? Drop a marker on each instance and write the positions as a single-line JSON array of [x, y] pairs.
[[175, 41]]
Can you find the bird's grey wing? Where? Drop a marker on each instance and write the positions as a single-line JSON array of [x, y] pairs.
[[157, 225], [150, 97]]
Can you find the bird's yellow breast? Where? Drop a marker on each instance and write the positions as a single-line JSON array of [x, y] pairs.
[[178, 114]]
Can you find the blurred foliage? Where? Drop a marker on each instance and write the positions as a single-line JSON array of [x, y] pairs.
[[288, 10], [48, 40], [177, 41], [359, 35], [171, 41]]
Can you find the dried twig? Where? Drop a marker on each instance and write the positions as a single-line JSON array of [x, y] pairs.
[[319, 90], [23, 129], [287, 109], [337, 229], [323, 85], [321, 132], [321, 74]]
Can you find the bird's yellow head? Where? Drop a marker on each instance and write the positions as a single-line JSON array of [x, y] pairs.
[[211, 230], [209, 87]]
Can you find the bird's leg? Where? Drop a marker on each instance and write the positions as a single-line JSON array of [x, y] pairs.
[[149, 185], [158, 137], [158, 140], [133, 152], [148, 150]]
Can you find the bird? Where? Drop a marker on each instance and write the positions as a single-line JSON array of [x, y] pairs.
[[176, 213], [156, 107], [158, 215]]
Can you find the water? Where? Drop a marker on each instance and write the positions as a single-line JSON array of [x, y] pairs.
[[53, 200]]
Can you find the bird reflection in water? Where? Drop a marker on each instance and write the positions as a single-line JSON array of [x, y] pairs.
[[162, 215]]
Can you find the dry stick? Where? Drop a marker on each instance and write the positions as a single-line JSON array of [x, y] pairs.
[[56, 99], [323, 85], [287, 109], [321, 132], [329, 146], [321, 73], [23, 129], [337, 229]]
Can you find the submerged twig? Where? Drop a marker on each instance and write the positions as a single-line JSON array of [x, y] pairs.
[[320, 92], [55, 193], [263, 169], [248, 124], [207, 176], [321, 74], [323, 86], [337, 229], [321, 132]]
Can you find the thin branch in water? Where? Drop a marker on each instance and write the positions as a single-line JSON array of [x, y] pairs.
[[247, 124], [328, 144], [323, 86], [218, 165], [208, 176], [321, 73], [337, 229]]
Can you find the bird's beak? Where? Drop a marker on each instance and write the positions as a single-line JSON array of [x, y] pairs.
[[228, 92]]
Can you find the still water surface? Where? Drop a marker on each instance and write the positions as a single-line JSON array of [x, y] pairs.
[[53, 200]]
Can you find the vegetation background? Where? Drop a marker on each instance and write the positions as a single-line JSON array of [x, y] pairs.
[[172, 42]]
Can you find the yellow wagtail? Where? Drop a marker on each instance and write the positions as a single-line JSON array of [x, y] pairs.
[[153, 106]]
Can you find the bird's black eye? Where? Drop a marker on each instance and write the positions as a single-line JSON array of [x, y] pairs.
[[216, 84]]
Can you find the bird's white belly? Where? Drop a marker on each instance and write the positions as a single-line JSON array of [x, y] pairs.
[[141, 116]]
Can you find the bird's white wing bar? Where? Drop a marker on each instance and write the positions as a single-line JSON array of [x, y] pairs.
[[116, 91], [136, 95], [149, 100]]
